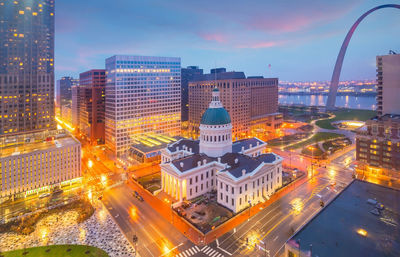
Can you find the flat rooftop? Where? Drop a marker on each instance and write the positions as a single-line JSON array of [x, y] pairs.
[[38, 145], [151, 142], [336, 230]]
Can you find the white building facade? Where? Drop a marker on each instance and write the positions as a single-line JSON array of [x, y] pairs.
[[142, 95], [242, 173], [40, 165]]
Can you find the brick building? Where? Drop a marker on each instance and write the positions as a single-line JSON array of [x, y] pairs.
[[252, 102], [92, 105]]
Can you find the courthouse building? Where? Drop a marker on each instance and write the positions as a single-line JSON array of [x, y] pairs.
[[241, 172]]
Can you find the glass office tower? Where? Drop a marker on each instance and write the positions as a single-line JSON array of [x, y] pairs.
[[142, 96], [26, 66]]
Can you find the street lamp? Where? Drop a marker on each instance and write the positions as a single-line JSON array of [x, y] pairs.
[[249, 207]]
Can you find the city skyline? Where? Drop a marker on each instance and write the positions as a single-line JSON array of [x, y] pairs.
[[292, 41]]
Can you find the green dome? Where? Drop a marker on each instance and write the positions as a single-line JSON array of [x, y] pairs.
[[215, 89], [215, 116]]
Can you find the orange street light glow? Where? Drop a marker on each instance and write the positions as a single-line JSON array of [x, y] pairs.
[[90, 163], [362, 232]]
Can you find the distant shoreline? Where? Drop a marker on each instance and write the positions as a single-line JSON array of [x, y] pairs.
[[369, 94]]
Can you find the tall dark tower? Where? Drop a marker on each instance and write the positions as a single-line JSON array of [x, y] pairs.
[[26, 66]]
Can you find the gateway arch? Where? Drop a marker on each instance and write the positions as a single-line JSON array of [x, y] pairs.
[[330, 103]]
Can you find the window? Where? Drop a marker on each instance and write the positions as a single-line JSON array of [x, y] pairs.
[[221, 184], [245, 187], [212, 173], [258, 182], [245, 198], [240, 190], [196, 179], [201, 176], [196, 189], [277, 179], [190, 181], [190, 192], [207, 174], [262, 180], [212, 182], [226, 199], [240, 201], [221, 196], [226, 188], [254, 184], [232, 202], [233, 190], [207, 184], [201, 186]]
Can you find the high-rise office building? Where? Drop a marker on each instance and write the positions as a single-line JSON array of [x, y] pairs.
[[26, 66], [143, 95], [378, 142], [75, 107], [388, 86], [64, 93], [34, 156], [187, 74], [252, 102], [92, 105]]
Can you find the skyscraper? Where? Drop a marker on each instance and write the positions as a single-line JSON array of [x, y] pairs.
[[64, 93], [187, 74], [143, 95], [378, 142], [92, 104], [27, 66], [388, 86]]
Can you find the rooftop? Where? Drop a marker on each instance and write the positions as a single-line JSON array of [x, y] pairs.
[[237, 145], [38, 145], [187, 143], [151, 142], [346, 227], [191, 161], [245, 162]]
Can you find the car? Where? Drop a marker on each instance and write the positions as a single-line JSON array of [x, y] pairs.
[[58, 191], [44, 195], [138, 196]]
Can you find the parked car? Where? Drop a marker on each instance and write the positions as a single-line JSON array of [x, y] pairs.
[[138, 196], [44, 195]]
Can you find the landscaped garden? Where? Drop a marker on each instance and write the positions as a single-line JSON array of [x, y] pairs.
[[335, 145], [26, 224], [58, 250], [285, 140], [346, 114], [313, 150], [151, 182], [317, 137]]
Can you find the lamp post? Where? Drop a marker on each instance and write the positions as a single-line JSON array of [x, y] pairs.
[[249, 207]]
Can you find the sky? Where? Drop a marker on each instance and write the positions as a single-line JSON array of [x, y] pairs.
[[294, 40]]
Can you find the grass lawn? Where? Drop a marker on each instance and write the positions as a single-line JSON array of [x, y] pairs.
[[151, 182], [320, 136], [316, 151], [346, 114], [59, 251]]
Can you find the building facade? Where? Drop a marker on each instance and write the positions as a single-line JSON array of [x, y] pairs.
[[242, 173], [47, 159], [378, 142], [251, 102], [388, 86], [187, 74], [64, 93], [92, 105], [27, 66], [75, 107], [378, 147], [143, 95]]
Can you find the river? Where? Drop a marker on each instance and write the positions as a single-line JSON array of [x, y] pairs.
[[353, 102]]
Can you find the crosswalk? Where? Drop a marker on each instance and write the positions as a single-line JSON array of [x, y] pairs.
[[196, 250]]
